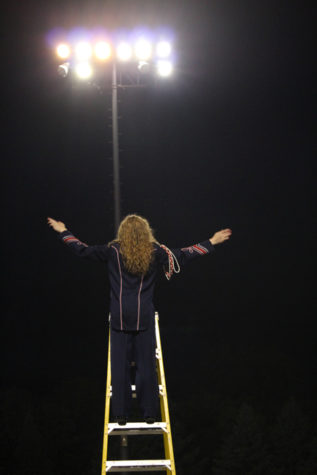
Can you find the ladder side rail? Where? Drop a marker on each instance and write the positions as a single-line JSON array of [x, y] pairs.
[[107, 412], [161, 381], [167, 437]]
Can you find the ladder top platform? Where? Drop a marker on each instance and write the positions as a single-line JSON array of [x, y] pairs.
[[138, 465]]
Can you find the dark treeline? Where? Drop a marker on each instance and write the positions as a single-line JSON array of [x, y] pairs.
[[218, 427]]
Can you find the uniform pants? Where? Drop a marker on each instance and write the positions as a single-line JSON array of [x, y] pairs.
[[140, 344]]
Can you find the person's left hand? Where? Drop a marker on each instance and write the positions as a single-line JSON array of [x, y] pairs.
[[58, 226]]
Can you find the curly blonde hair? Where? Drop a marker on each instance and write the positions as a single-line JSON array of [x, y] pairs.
[[136, 244]]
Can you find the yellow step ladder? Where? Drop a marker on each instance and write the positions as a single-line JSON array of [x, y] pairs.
[[141, 428]]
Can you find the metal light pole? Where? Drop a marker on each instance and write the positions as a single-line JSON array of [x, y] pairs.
[[124, 449], [115, 148]]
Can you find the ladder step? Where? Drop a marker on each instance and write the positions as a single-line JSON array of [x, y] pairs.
[[137, 428], [133, 387], [138, 465]]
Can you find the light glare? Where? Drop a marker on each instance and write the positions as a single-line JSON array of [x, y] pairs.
[[83, 70], [143, 49], [163, 49], [63, 69], [164, 68], [102, 50], [143, 67], [83, 51], [63, 51], [124, 51]]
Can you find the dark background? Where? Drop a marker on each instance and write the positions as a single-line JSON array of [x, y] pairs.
[[226, 142]]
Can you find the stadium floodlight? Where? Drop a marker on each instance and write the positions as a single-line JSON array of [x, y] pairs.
[[164, 68], [124, 51], [63, 69], [83, 51], [102, 50], [163, 49], [143, 49], [63, 51], [83, 70]]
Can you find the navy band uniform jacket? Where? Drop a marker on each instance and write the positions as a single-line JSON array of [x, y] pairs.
[[131, 303]]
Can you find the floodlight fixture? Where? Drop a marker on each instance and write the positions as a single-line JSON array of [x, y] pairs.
[[163, 49], [164, 68], [63, 51], [63, 69], [102, 50], [143, 49], [83, 51], [83, 70], [124, 51]]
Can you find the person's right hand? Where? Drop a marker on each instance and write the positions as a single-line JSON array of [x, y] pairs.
[[221, 236], [58, 226]]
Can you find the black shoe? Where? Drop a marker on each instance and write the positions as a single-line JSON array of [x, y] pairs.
[[150, 420], [121, 420]]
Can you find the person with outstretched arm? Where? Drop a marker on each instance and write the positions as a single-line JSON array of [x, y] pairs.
[[133, 260]]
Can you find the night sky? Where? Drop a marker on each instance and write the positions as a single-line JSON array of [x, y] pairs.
[[226, 142]]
